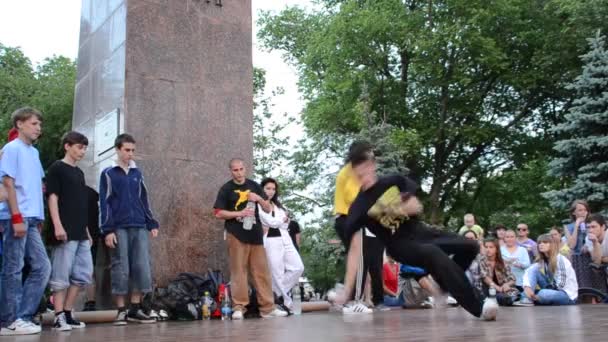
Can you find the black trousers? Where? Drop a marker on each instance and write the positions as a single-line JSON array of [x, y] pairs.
[[430, 248], [373, 254], [373, 250]]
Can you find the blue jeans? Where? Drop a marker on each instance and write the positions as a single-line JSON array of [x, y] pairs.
[[72, 265], [546, 295], [393, 301], [131, 261], [21, 298]]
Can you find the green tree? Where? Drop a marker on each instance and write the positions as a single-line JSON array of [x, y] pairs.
[[49, 88], [473, 81], [17, 84], [582, 163]]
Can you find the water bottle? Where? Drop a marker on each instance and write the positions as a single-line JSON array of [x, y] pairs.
[[207, 306], [226, 309], [297, 300], [249, 220]]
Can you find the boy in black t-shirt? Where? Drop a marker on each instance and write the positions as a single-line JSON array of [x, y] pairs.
[[294, 233], [245, 246], [72, 265], [388, 208]]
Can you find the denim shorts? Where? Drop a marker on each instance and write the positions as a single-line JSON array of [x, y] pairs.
[[71, 265], [131, 262]]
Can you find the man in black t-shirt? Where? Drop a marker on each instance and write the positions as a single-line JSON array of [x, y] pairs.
[[388, 208], [245, 246], [294, 233], [72, 265]]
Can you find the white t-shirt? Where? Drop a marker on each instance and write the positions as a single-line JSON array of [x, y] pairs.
[[604, 245]]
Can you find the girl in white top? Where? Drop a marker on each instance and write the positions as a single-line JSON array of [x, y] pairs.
[[551, 280], [515, 256], [284, 261]]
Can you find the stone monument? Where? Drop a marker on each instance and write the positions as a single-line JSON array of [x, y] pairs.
[[177, 75]]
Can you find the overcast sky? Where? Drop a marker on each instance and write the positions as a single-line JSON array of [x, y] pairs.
[[43, 28]]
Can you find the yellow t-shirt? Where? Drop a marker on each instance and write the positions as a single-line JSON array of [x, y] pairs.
[[347, 189]]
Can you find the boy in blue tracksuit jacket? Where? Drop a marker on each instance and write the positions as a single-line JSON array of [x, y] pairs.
[[126, 223]]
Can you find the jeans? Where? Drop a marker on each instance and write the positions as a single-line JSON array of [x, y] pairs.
[[21, 298], [394, 301], [547, 296], [131, 261], [72, 265]]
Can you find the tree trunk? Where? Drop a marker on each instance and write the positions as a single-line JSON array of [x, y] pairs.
[[434, 209]]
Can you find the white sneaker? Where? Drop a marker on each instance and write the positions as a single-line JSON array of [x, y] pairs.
[[274, 313], [357, 308], [489, 310], [451, 301], [61, 324], [237, 315], [20, 327]]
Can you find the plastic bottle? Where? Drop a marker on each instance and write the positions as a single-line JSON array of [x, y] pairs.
[[249, 220], [226, 309], [297, 300], [207, 306]]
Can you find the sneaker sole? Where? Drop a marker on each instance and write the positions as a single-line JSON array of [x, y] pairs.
[[4, 332], [120, 323], [61, 329], [140, 321]]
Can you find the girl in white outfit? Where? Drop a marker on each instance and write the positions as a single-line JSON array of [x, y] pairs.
[[284, 261]]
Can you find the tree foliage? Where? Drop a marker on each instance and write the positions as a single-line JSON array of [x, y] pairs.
[[475, 83], [582, 161], [49, 88]]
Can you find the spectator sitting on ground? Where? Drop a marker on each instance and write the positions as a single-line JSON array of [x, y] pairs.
[[560, 241], [390, 276], [469, 224], [497, 275], [551, 279], [516, 257]]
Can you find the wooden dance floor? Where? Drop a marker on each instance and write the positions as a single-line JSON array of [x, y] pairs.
[[572, 323]]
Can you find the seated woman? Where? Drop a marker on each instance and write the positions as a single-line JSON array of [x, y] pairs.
[[284, 261], [551, 279], [497, 275], [516, 257]]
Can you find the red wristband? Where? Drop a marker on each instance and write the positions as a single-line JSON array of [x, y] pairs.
[[16, 218]]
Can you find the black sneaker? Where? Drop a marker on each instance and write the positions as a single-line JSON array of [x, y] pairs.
[[89, 306], [73, 322], [60, 323], [121, 318], [139, 316]]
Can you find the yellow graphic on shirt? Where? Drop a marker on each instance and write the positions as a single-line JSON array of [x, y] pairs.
[[389, 210], [243, 197]]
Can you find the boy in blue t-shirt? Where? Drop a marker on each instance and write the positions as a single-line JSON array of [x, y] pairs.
[[22, 174]]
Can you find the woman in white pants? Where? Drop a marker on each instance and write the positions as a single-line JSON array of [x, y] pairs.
[[284, 261]]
